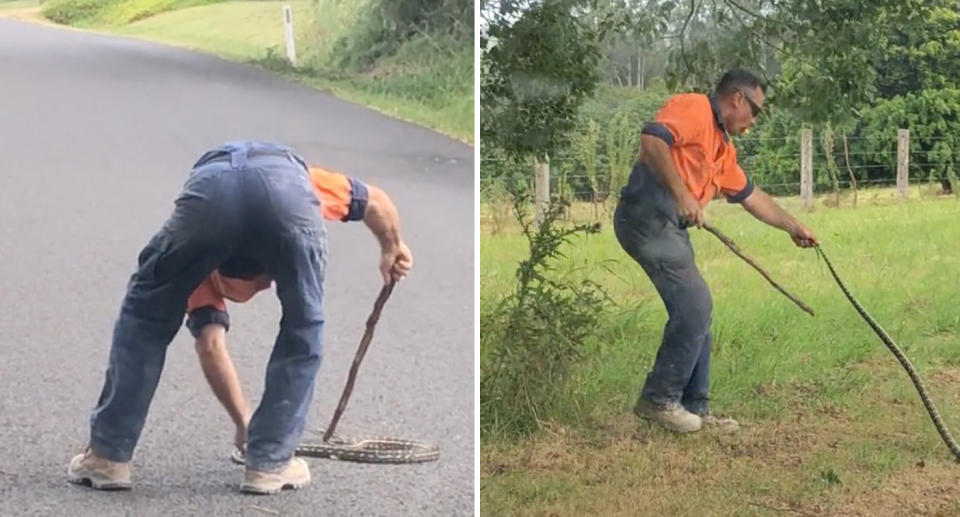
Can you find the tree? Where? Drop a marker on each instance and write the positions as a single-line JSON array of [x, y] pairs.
[[921, 55], [933, 117], [536, 71]]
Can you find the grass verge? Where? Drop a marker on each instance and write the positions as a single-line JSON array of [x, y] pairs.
[[831, 423], [428, 81]]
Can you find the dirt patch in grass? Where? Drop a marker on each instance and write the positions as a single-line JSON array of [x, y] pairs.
[[921, 490]]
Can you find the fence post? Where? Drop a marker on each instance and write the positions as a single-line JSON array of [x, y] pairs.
[[288, 33], [806, 168], [903, 162], [541, 180]]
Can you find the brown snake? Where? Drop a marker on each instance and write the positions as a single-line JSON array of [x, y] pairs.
[[887, 340], [907, 365]]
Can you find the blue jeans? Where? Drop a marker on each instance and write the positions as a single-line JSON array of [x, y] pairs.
[[649, 229], [245, 203]]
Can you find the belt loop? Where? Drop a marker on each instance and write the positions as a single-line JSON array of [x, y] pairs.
[[238, 157]]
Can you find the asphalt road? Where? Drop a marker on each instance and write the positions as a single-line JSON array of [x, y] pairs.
[[97, 135]]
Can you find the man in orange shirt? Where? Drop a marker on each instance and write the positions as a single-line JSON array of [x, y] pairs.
[[250, 213], [342, 199], [686, 159]]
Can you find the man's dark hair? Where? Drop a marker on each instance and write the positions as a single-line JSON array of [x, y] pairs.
[[738, 78]]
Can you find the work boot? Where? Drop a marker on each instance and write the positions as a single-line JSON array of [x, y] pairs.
[[295, 475], [671, 416], [727, 425], [100, 473]]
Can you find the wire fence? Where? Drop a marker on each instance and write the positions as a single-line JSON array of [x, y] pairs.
[[774, 164], [583, 187]]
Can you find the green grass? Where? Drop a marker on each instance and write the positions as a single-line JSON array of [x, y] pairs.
[[831, 415], [129, 11], [434, 76], [100, 13], [428, 81], [234, 30], [16, 4]]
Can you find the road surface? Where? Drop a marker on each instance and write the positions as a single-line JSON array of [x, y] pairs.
[[97, 135]]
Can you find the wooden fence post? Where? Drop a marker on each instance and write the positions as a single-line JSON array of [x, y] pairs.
[[806, 168], [903, 162], [541, 179]]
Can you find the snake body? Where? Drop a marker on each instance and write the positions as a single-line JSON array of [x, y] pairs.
[[365, 450], [371, 450], [907, 365]]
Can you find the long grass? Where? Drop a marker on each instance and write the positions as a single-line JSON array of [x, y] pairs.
[[829, 414]]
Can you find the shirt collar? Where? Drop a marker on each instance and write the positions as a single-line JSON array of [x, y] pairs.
[[718, 116]]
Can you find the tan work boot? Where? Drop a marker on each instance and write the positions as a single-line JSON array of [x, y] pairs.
[[727, 425], [295, 475], [670, 416], [98, 472]]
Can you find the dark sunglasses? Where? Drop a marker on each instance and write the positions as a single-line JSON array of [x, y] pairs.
[[755, 109]]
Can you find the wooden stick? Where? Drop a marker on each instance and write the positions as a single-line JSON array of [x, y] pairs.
[[364, 343], [726, 240]]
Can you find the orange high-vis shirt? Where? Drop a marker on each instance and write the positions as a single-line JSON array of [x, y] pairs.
[[341, 199], [702, 152]]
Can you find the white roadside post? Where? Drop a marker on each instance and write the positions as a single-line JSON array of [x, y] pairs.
[[288, 30]]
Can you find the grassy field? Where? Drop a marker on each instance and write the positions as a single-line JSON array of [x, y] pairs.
[[429, 81], [831, 424], [236, 30], [421, 84], [16, 4]]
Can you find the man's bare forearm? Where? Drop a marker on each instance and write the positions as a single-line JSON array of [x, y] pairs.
[[382, 218], [221, 375], [764, 208]]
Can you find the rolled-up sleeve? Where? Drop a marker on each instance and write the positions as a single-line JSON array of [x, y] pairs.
[[359, 197], [660, 131], [342, 198], [206, 305], [733, 182], [206, 315]]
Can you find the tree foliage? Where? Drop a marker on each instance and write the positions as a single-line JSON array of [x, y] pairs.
[[856, 71], [536, 70]]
